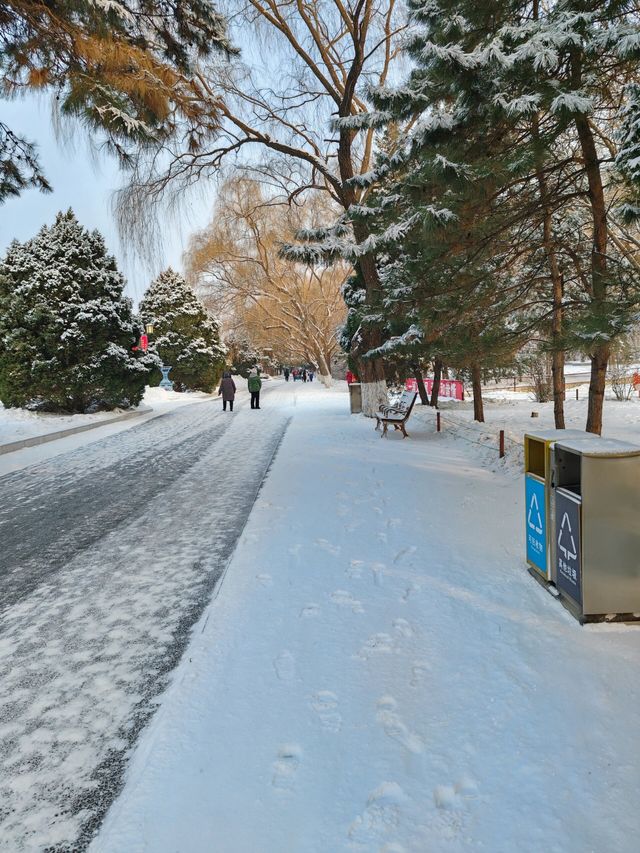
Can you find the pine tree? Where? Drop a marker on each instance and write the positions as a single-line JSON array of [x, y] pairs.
[[185, 336], [66, 329]]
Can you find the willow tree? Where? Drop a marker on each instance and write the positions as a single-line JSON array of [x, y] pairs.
[[287, 307]]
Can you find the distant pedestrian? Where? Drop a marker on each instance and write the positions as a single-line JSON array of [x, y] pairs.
[[311, 376], [350, 377], [286, 374], [304, 375], [254, 384], [228, 390]]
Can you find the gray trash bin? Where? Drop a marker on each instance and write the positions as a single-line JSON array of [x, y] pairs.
[[539, 512], [355, 398], [597, 527]]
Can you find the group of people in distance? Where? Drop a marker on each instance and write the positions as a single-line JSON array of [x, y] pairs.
[[228, 389], [298, 373]]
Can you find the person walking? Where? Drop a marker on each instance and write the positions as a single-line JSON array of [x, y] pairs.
[[311, 376], [304, 374], [286, 374], [228, 390], [254, 384]]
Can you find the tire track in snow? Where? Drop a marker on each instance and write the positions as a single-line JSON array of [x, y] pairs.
[[50, 523], [84, 655]]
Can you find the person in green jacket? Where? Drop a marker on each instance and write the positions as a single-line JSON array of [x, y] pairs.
[[255, 384]]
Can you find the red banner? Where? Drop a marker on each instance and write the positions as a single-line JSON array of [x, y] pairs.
[[452, 389]]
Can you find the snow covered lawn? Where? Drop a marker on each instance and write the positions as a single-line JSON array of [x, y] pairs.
[[16, 424], [511, 411], [378, 672]]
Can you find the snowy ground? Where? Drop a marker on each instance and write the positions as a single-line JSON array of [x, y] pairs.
[[511, 411], [109, 554], [378, 672]]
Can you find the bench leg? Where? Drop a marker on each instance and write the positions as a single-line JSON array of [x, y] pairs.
[[384, 429], [377, 422], [405, 434]]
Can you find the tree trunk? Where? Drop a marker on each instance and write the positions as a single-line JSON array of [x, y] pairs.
[[437, 376], [372, 373], [324, 371], [600, 354], [557, 372], [557, 285], [422, 391], [599, 362], [476, 381]]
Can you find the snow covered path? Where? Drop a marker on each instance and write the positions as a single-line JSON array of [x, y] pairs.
[[109, 555], [378, 673]]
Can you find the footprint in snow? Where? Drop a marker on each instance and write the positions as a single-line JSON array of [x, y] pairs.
[[409, 591], [451, 802], [378, 570], [285, 767], [403, 627], [395, 728], [449, 797], [327, 546], [285, 666], [309, 610], [380, 817], [344, 599], [354, 569], [376, 644], [325, 705], [264, 579], [418, 672], [404, 552]]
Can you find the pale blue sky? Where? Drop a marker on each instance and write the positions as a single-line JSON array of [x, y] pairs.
[[84, 182]]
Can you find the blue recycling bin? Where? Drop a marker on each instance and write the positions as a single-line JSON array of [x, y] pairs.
[[539, 496]]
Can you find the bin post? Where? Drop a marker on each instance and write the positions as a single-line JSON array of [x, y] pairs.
[[355, 398]]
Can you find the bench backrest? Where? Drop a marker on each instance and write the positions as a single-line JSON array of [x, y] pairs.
[[405, 400], [412, 403], [403, 414]]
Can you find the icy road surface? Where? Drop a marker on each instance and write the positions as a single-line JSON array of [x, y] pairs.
[[109, 554]]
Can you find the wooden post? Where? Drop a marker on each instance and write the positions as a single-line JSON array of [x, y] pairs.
[[576, 393], [438, 422], [501, 443]]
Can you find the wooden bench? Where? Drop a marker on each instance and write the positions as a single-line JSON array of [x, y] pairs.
[[401, 405], [396, 416]]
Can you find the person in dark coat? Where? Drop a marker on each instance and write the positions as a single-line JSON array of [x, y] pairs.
[[286, 374], [228, 390], [254, 384]]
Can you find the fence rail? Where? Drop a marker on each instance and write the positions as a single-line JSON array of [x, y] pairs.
[[458, 426]]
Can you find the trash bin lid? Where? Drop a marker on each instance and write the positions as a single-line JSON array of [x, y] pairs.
[[596, 446], [557, 434]]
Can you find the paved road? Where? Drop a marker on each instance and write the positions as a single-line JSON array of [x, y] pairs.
[[109, 555]]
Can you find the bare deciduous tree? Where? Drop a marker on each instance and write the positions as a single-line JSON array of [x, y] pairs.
[[305, 64], [234, 264]]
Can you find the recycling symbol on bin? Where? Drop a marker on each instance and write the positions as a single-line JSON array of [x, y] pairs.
[[537, 524], [566, 531]]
